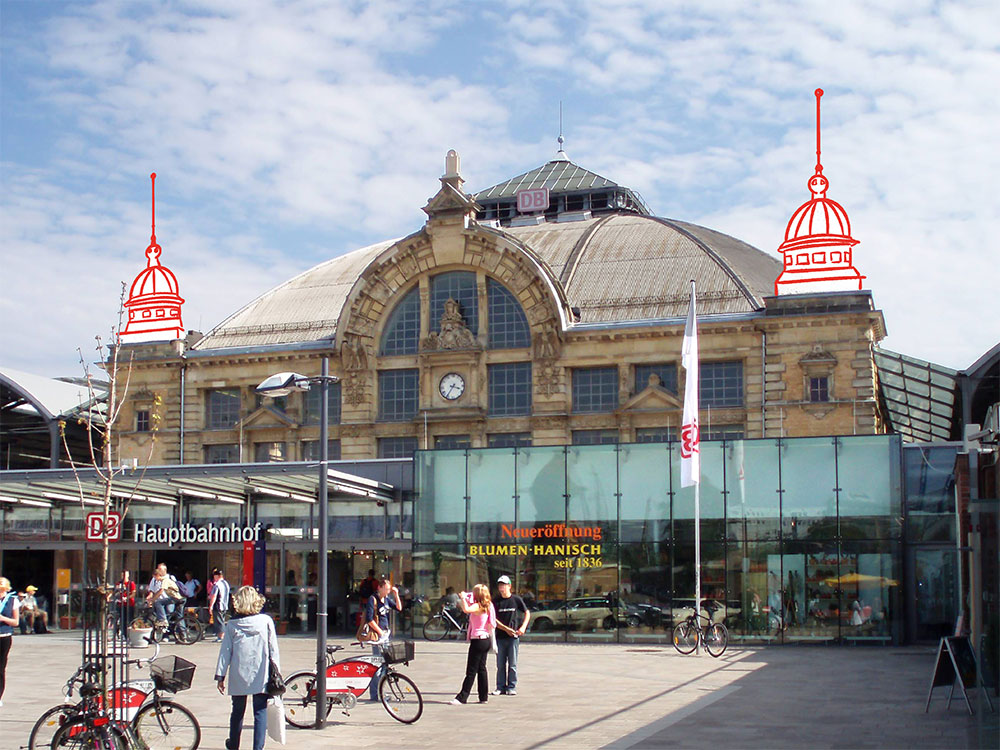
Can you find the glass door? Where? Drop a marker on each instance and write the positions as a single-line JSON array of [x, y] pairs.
[[934, 594]]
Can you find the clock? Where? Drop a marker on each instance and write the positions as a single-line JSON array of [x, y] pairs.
[[452, 386]]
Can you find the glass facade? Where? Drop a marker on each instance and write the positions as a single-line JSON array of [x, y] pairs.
[[801, 538], [402, 330]]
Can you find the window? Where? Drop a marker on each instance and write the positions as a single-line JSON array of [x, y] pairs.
[[819, 389], [721, 384], [510, 389], [446, 442], [396, 447], [655, 435], [402, 330], [312, 400], [508, 328], [667, 373], [509, 440], [723, 432], [595, 389], [279, 404], [222, 454], [267, 452], [397, 395], [222, 408], [142, 420], [461, 287], [310, 450], [595, 437]]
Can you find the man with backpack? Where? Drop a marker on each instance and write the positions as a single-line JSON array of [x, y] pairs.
[[218, 602], [165, 595]]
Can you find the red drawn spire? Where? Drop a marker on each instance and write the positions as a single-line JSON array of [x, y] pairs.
[[154, 251]]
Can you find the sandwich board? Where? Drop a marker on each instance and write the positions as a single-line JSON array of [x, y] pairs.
[[955, 664]]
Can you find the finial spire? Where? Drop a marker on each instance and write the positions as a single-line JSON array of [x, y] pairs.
[[819, 162], [560, 154], [818, 184], [153, 251]]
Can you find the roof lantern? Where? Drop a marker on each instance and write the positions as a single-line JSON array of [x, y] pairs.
[[154, 302], [817, 251]]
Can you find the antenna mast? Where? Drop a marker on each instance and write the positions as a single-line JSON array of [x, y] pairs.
[[819, 164]]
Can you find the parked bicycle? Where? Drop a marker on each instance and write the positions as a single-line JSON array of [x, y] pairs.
[[192, 631], [444, 623], [690, 631], [136, 706], [348, 679]]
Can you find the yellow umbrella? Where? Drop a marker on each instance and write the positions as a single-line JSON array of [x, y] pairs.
[[849, 578]]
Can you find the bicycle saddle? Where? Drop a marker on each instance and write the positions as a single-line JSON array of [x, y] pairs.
[[89, 690], [334, 649]]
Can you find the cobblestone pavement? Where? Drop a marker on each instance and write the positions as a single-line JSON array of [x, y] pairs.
[[587, 696]]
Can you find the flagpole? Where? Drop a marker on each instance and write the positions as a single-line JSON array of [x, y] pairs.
[[691, 442], [697, 558]]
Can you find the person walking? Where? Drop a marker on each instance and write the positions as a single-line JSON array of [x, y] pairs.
[[377, 608], [124, 603], [249, 644], [9, 606], [482, 622], [191, 588], [512, 622], [218, 602]]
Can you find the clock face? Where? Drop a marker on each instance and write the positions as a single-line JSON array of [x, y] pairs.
[[452, 386]]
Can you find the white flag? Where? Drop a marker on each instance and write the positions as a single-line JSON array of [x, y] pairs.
[[690, 431]]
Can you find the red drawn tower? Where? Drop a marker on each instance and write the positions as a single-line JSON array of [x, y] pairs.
[[154, 302], [818, 247]]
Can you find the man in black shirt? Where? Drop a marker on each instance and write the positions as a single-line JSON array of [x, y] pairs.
[[512, 621]]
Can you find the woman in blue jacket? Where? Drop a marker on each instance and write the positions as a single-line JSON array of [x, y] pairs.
[[247, 645]]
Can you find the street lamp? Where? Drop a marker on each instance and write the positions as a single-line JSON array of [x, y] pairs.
[[281, 385]]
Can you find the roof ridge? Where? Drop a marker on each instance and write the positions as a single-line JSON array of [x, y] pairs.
[[572, 262]]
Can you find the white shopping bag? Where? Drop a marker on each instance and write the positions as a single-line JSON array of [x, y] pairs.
[[276, 720]]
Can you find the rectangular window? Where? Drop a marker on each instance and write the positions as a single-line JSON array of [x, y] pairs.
[[222, 454], [222, 408], [667, 372], [451, 442], [509, 440], [510, 389], [595, 389], [278, 404], [398, 393], [310, 450], [312, 400], [819, 389], [142, 420], [267, 452], [723, 432], [655, 435], [595, 437], [721, 384], [396, 447]]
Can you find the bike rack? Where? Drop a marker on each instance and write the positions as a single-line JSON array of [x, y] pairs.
[[105, 652]]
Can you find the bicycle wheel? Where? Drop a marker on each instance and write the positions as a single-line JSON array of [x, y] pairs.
[[193, 631], [400, 697], [716, 639], [299, 700], [81, 734], [165, 724], [48, 724], [685, 637], [436, 628]]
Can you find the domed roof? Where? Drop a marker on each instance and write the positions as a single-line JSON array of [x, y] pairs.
[[819, 221], [155, 282]]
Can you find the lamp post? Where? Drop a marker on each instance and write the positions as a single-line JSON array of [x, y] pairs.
[[281, 385]]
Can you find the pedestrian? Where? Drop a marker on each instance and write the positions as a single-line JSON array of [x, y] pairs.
[[377, 608], [191, 588], [164, 593], [218, 602], [482, 622], [9, 606], [33, 617], [124, 603], [249, 645], [512, 622]]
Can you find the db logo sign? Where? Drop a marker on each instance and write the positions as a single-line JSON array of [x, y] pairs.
[[95, 527], [530, 201], [690, 439]]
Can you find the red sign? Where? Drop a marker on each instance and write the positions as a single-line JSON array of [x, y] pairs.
[[96, 529], [532, 201]]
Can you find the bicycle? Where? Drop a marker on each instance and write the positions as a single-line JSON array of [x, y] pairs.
[[690, 631], [348, 679], [136, 706], [439, 626], [192, 632]]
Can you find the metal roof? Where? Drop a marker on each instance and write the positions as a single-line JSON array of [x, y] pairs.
[[919, 396], [227, 483], [51, 399]]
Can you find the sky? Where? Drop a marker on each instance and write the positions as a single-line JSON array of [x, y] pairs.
[[287, 133]]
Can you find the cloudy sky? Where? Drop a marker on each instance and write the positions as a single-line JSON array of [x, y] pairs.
[[286, 133]]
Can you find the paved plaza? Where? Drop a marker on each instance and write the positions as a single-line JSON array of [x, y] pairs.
[[587, 696]]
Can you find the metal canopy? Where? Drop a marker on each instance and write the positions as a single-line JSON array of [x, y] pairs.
[[227, 483], [919, 396]]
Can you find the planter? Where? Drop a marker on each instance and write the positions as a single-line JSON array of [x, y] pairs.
[[137, 637], [282, 627], [67, 622]]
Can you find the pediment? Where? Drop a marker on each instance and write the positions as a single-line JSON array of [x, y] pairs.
[[266, 416], [450, 200], [652, 397]]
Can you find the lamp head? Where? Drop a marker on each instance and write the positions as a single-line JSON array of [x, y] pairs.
[[282, 384]]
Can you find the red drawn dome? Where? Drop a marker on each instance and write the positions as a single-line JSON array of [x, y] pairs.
[[154, 280], [817, 222]]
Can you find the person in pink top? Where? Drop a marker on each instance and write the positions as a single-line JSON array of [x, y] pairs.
[[482, 623]]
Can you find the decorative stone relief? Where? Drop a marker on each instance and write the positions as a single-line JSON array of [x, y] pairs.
[[354, 353], [548, 378], [454, 333], [353, 387], [547, 343]]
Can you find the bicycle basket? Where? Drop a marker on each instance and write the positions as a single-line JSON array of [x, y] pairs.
[[172, 673], [397, 652]]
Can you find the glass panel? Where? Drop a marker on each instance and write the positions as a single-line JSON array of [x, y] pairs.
[[491, 496], [594, 610], [595, 389], [397, 447], [70, 519], [222, 454], [930, 492], [397, 395], [145, 513], [438, 572], [749, 589], [720, 384], [220, 514], [752, 482], [645, 576], [543, 589], [284, 520], [509, 389], [402, 330], [440, 478], [870, 592], [655, 434], [451, 442], [509, 440], [869, 502], [592, 486], [666, 372], [508, 327], [312, 399], [713, 524], [804, 597], [935, 586], [809, 509], [645, 489], [461, 287], [310, 450], [595, 437], [352, 520], [541, 485], [222, 409]]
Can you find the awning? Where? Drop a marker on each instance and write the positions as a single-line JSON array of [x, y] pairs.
[[919, 396]]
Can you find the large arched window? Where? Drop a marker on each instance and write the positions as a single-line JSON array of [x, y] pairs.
[[402, 331], [461, 287], [508, 325]]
